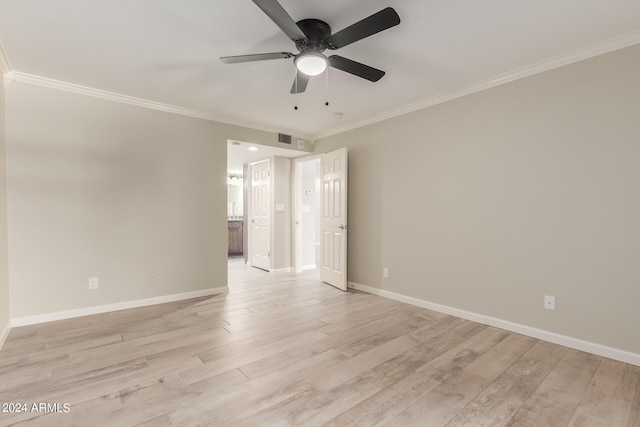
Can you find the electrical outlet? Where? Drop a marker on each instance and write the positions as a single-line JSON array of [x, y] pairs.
[[549, 302], [93, 283], [153, 277], [385, 273]]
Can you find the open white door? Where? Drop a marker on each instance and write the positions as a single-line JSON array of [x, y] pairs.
[[261, 215], [333, 219]]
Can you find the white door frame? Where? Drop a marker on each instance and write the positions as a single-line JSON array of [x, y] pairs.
[[297, 208]]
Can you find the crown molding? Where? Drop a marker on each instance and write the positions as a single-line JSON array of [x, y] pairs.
[[610, 45], [34, 80], [597, 49], [46, 82]]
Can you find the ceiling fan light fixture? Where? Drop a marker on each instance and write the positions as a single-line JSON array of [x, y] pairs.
[[311, 63], [313, 36]]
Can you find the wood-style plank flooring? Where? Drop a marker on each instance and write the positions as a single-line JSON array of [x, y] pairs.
[[282, 350]]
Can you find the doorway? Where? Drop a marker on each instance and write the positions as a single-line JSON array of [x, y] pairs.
[[307, 213], [313, 209], [240, 155]]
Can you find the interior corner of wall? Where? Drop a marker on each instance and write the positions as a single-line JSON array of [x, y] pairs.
[[5, 333]]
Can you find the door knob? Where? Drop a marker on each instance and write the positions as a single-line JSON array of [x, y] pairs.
[[343, 227]]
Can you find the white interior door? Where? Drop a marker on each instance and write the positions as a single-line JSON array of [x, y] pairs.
[[333, 219], [261, 214]]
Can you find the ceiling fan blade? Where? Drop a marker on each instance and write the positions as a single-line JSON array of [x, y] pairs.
[[369, 26], [255, 57], [276, 12], [355, 68], [300, 83]]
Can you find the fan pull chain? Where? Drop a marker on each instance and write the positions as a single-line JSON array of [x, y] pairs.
[[326, 87], [295, 82]]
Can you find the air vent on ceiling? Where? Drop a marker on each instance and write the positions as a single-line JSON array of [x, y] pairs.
[[285, 139]]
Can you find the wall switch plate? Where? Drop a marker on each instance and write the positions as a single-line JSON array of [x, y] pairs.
[[549, 302], [93, 283], [153, 277], [385, 273]]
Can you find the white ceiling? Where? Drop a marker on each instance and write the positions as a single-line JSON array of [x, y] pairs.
[[167, 51]]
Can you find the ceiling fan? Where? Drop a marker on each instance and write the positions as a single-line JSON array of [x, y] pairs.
[[313, 36]]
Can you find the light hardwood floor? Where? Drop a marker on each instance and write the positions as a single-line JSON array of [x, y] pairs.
[[282, 349]]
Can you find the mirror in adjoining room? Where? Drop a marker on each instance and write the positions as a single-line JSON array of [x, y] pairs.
[[234, 195], [235, 206]]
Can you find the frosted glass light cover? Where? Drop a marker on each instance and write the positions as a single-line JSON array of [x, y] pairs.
[[311, 64]]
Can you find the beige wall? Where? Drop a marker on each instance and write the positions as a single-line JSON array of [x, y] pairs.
[[4, 282], [118, 192], [488, 202]]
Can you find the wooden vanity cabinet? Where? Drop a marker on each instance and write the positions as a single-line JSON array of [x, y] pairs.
[[235, 237]]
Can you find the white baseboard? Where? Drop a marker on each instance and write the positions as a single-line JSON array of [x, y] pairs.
[[571, 342], [273, 270], [68, 314], [4, 334], [280, 270]]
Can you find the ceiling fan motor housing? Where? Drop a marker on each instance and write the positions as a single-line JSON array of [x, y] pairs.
[[317, 32], [313, 36]]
